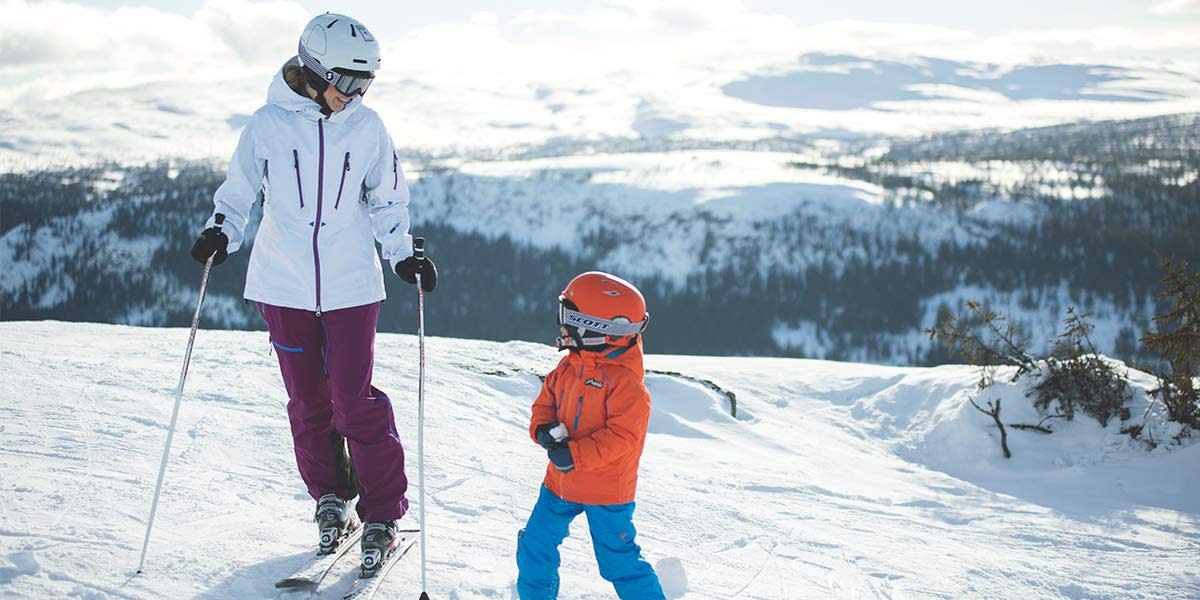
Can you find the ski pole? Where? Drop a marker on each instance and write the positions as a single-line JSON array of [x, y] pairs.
[[419, 254], [187, 359]]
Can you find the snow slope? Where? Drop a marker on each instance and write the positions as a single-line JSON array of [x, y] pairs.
[[835, 481]]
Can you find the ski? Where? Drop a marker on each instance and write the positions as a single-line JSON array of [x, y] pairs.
[[364, 588], [314, 571]]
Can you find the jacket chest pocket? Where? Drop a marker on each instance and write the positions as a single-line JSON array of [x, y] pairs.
[[299, 177], [296, 177], [345, 174], [289, 189], [585, 411]]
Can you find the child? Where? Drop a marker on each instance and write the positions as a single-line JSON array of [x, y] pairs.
[[591, 418]]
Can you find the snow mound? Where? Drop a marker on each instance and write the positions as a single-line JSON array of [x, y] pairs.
[[684, 408], [23, 563], [672, 577], [927, 417]]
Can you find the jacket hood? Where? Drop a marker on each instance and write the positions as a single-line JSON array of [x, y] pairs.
[[280, 94]]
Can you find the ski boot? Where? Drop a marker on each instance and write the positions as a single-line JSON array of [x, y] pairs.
[[334, 520], [379, 540]]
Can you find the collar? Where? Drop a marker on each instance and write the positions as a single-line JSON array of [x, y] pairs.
[[629, 357], [282, 95]]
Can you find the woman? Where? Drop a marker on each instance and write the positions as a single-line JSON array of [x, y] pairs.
[[332, 187]]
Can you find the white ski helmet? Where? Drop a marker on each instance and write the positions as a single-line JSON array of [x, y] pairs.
[[341, 51]]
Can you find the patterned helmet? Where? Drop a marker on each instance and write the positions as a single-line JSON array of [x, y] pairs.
[[338, 50]]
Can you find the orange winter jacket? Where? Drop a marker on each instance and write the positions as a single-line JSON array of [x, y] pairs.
[[603, 401]]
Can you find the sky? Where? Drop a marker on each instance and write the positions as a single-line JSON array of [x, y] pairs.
[[502, 65], [974, 16], [531, 39]]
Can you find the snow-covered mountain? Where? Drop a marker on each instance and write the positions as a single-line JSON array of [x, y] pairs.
[[826, 249], [834, 480], [784, 202], [823, 95]]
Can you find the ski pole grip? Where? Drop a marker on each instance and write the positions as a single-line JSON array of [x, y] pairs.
[[219, 220], [419, 248]]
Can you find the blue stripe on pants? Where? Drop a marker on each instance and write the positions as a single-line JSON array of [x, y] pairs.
[[613, 539]]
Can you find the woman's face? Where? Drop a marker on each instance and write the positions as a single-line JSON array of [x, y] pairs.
[[335, 99]]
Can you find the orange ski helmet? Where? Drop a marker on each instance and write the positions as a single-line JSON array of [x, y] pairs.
[[598, 310]]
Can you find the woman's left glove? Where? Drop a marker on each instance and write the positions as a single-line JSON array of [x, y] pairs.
[[409, 268], [211, 243]]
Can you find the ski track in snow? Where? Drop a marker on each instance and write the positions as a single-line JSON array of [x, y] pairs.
[[844, 481]]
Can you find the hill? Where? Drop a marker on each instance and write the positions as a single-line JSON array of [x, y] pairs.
[[835, 480]]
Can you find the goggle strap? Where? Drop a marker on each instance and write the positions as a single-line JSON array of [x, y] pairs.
[[315, 65]]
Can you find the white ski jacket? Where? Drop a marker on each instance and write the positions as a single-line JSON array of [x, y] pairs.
[[332, 186]]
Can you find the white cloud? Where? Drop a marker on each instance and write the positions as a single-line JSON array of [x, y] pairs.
[[1103, 44], [59, 32], [485, 18], [1174, 7], [256, 31], [682, 15], [56, 47], [92, 78]]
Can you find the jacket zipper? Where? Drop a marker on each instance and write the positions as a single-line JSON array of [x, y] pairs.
[[296, 164], [345, 169], [317, 221], [554, 400], [395, 170], [578, 412]]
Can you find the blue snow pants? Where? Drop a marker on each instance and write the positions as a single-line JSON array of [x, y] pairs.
[[611, 526]]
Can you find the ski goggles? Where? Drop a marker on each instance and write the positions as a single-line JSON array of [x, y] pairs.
[[618, 327], [349, 85], [344, 83]]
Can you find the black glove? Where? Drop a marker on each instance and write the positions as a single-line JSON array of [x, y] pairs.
[[561, 457], [409, 268], [212, 242], [544, 437]]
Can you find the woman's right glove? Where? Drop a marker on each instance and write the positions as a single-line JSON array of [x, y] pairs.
[[211, 243], [409, 268]]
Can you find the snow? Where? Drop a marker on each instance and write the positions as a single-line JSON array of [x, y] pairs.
[[836, 480], [677, 213]]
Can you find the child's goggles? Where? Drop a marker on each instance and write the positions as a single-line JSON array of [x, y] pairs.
[[568, 317]]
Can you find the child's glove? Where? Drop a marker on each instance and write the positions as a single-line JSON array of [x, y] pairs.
[[550, 435], [560, 455]]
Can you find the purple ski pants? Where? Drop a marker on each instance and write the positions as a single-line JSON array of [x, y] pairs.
[[326, 364]]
